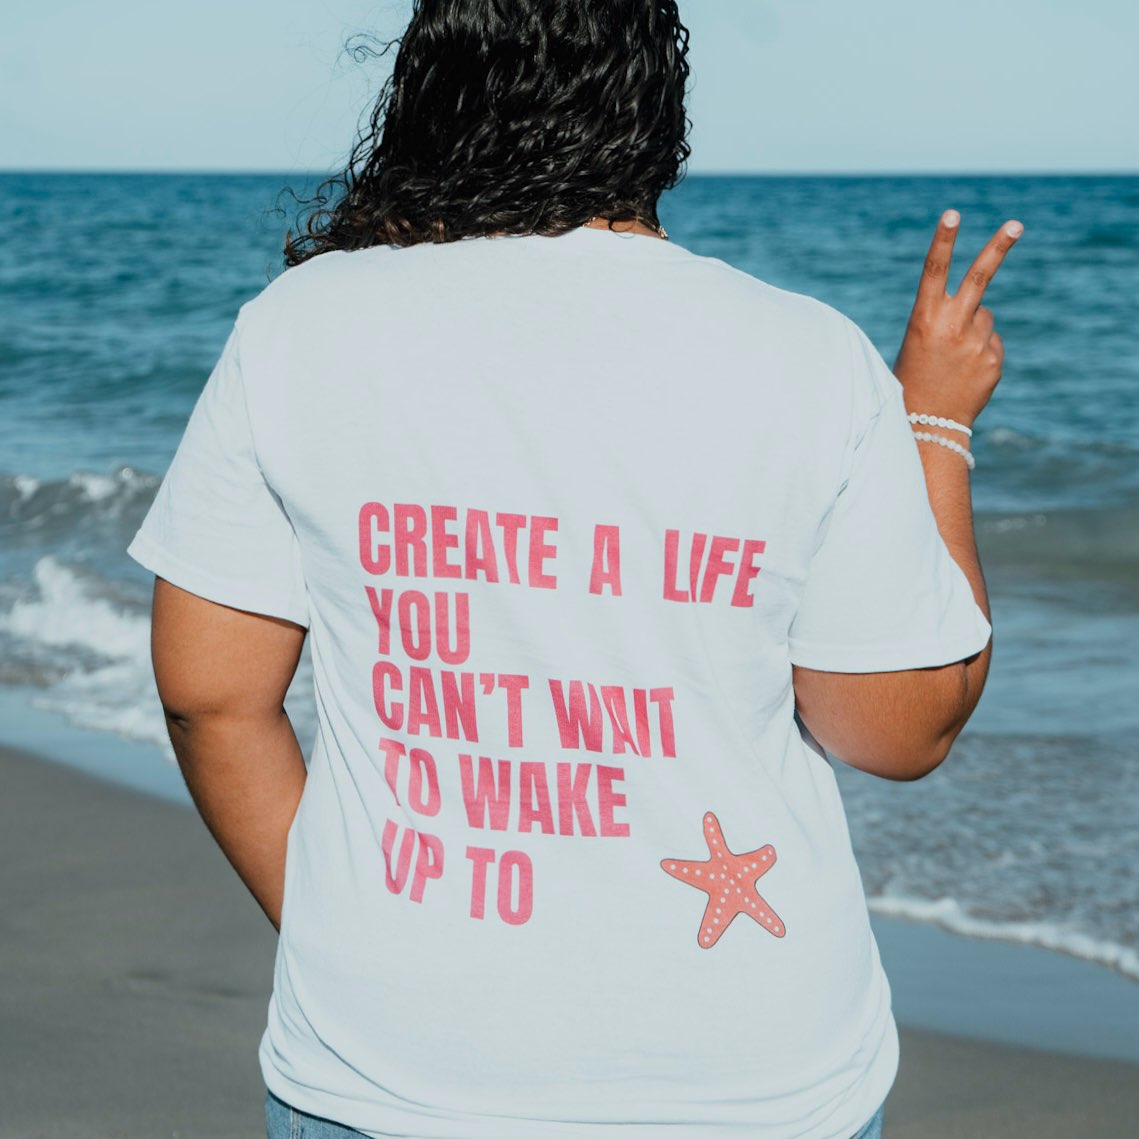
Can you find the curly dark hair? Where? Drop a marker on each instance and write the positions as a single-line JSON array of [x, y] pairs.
[[512, 117]]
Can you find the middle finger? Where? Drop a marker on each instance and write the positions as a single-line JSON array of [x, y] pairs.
[[985, 267]]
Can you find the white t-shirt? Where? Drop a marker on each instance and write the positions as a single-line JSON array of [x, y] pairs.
[[560, 514]]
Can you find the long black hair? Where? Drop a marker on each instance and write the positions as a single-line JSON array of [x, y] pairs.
[[512, 116]]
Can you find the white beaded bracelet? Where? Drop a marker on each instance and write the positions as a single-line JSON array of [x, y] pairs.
[[945, 441], [939, 421]]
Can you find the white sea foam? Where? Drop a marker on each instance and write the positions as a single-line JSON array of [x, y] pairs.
[[110, 685], [25, 486], [65, 613], [102, 648], [948, 913], [97, 487]]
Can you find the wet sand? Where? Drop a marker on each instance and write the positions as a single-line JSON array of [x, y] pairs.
[[135, 973]]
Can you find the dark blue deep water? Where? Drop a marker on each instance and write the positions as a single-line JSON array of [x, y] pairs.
[[117, 292]]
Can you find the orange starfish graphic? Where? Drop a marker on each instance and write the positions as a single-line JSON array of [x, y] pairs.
[[729, 881]]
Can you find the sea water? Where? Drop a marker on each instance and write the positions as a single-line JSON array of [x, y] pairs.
[[116, 295]]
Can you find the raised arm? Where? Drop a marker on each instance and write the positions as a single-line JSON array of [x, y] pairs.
[[901, 725], [222, 676]]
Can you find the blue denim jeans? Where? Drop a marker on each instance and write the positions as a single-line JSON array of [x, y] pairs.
[[872, 1129], [285, 1122]]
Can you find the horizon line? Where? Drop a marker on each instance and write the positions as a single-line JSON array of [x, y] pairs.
[[266, 171]]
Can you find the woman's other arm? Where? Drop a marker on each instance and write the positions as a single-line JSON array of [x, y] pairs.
[[222, 676], [901, 725]]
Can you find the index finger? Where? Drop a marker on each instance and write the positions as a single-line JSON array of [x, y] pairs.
[[985, 267], [935, 272]]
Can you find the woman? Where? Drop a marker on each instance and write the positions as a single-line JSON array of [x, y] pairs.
[[603, 546]]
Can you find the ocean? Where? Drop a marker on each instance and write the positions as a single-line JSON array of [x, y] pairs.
[[117, 292]]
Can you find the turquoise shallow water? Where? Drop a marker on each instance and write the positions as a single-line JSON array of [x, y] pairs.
[[116, 293]]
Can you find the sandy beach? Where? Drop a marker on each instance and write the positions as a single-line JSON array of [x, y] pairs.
[[135, 971]]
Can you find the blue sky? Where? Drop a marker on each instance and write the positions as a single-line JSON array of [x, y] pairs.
[[780, 85]]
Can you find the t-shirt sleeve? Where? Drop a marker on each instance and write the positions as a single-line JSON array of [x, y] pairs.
[[883, 592], [216, 528]]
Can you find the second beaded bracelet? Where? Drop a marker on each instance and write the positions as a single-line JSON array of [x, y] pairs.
[[952, 444]]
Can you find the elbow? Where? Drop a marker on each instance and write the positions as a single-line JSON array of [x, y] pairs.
[[180, 723], [899, 726], [907, 759], [179, 719], [935, 752], [917, 764], [181, 712], [914, 767], [187, 718]]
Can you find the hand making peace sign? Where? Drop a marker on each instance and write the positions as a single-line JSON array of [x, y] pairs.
[[950, 360]]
